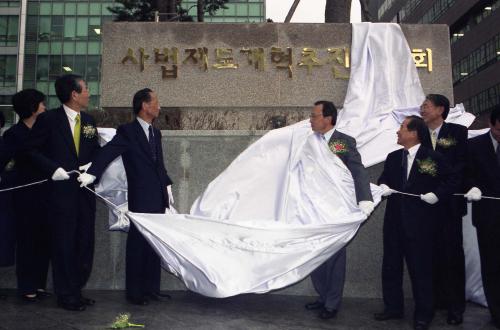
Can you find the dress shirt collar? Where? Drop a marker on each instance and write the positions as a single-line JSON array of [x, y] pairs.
[[495, 142], [437, 130], [70, 113], [328, 135], [145, 126], [413, 150]]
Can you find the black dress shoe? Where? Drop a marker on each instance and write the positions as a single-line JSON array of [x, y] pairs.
[[454, 319], [87, 301], [43, 294], [384, 316], [27, 299], [325, 314], [159, 297], [77, 306], [314, 306], [138, 301], [421, 325]]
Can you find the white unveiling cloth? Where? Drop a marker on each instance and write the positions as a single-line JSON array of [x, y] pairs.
[[286, 203]]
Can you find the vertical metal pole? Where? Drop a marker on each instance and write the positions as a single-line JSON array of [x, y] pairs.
[[21, 46]]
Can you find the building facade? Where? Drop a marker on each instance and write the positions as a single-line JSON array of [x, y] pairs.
[[474, 38], [43, 39]]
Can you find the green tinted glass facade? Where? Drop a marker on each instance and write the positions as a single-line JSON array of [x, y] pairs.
[[238, 11], [64, 37]]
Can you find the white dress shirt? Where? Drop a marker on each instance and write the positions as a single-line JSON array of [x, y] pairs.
[[412, 152], [145, 126], [495, 142], [437, 130], [71, 114], [328, 135]]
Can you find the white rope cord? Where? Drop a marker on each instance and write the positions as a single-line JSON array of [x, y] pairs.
[[32, 183], [414, 195]]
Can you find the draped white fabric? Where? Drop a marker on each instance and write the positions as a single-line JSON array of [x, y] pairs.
[[286, 203]]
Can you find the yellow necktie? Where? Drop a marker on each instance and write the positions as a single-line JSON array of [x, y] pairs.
[[76, 133], [434, 139]]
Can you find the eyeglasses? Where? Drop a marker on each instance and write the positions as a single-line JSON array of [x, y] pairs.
[[315, 115]]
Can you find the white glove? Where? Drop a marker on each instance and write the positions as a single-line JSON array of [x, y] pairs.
[[60, 174], [386, 191], [474, 194], [85, 168], [366, 207], [86, 179], [430, 198], [170, 195]]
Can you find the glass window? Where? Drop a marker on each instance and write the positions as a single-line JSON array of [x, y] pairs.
[[83, 9], [45, 8], [79, 65], [8, 30], [44, 27], [43, 87], [56, 48], [94, 48], [82, 26], [55, 66], [254, 9], [70, 9], [95, 9], [43, 48], [93, 68], [68, 48], [58, 8], [57, 29], [42, 72], [81, 48], [70, 28], [8, 66], [67, 63]]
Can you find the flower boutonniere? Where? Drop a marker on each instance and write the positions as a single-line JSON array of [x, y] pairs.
[[338, 147], [10, 165], [89, 131], [446, 142], [427, 166]]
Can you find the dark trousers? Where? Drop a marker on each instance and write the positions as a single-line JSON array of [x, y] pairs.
[[72, 246], [328, 280], [417, 251], [449, 264], [488, 237], [33, 240], [7, 230], [143, 270]]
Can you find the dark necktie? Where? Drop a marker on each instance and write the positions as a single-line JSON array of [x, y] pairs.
[[404, 166], [498, 153], [152, 145]]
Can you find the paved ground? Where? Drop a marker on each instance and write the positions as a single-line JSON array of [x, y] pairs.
[[191, 311]]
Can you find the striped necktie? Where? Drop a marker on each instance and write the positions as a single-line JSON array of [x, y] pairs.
[[76, 134]]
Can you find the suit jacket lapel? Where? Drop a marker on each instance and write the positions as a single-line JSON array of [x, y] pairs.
[[414, 167], [443, 133], [338, 136], [66, 130], [143, 141]]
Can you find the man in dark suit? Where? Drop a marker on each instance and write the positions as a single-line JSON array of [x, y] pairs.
[[65, 139], [328, 279], [450, 140], [32, 228], [483, 177], [409, 221], [139, 144]]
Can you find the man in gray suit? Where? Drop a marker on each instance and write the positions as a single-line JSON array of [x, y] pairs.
[[328, 279]]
